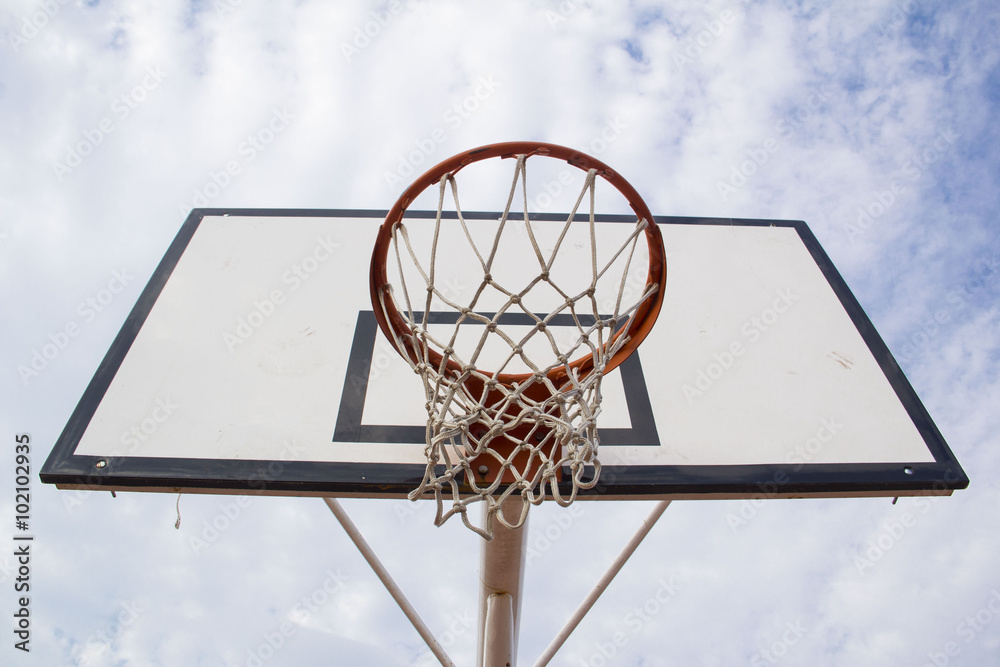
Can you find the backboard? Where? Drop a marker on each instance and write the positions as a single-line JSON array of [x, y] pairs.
[[252, 363]]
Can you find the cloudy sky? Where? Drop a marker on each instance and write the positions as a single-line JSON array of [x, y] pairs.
[[873, 121]]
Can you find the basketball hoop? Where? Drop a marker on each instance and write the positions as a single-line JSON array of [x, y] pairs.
[[495, 433]]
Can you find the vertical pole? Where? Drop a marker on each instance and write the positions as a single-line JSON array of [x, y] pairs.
[[501, 572]]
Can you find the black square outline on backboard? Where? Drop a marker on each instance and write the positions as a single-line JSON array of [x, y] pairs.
[[349, 428]]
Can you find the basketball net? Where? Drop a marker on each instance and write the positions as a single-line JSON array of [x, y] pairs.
[[492, 435]]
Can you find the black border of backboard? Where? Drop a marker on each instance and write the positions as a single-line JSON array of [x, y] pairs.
[[66, 469]]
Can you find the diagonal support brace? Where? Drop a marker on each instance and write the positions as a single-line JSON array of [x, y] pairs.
[[387, 580], [602, 585]]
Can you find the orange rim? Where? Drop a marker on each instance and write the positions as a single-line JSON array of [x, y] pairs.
[[639, 325]]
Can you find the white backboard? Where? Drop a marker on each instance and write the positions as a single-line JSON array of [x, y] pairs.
[[252, 363]]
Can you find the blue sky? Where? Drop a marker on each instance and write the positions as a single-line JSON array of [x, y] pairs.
[[872, 121]]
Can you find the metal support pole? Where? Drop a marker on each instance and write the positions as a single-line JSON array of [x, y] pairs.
[[602, 585], [500, 648], [501, 572], [390, 585]]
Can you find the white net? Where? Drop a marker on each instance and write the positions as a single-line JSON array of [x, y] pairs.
[[545, 320]]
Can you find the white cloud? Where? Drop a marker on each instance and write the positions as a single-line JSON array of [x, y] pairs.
[[854, 96]]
